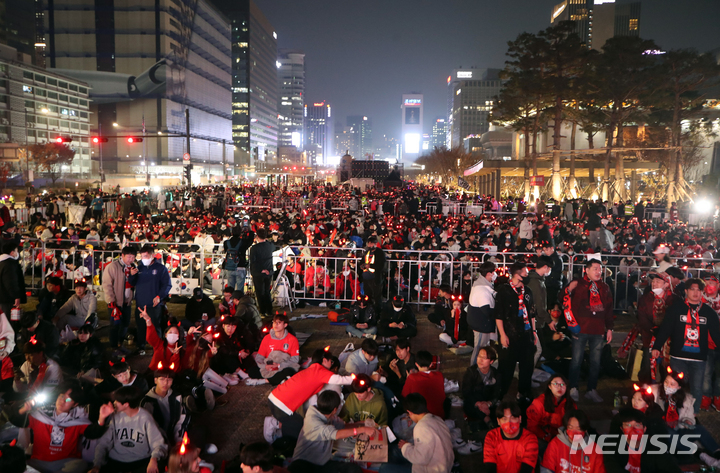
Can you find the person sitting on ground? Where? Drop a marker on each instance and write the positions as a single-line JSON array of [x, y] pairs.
[[199, 311], [257, 457], [363, 360], [321, 428], [133, 442], [184, 457], [431, 384], [167, 407], [510, 448], [363, 320], [481, 390], [78, 309], [556, 342], [281, 340], [561, 452], [630, 423], [12, 459], [235, 345], [400, 364], [431, 448], [397, 320], [167, 349], [365, 402], [83, 355], [38, 372], [42, 331], [199, 352], [440, 315], [456, 328], [643, 399], [545, 414], [58, 427], [228, 303], [286, 398], [52, 298], [120, 375]]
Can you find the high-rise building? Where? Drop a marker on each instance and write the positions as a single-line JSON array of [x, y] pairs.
[[439, 133], [254, 80], [18, 27], [412, 126], [319, 132], [362, 132], [345, 142], [389, 149], [596, 21], [291, 89], [147, 63], [473, 92]]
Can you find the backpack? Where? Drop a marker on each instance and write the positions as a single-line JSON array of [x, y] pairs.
[[232, 259]]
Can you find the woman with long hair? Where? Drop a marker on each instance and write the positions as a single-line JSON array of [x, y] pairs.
[[196, 362], [545, 414]]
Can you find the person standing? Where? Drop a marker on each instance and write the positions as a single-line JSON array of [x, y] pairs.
[[97, 207], [515, 317], [588, 306], [261, 269], [152, 285], [373, 265], [480, 310], [536, 283], [119, 294], [687, 324], [12, 282], [235, 265], [553, 282]]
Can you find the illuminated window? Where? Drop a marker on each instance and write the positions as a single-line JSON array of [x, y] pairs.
[[633, 24]]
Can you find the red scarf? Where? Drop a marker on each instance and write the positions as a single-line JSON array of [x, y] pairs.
[[523, 310], [672, 416], [658, 309], [37, 384], [456, 316], [692, 331], [596, 304]]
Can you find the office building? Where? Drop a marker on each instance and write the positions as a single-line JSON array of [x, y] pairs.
[[40, 106], [411, 109], [319, 132], [362, 134], [18, 28], [291, 89], [254, 81], [345, 141], [439, 133], [596, 21], [146, 64], [473, 93], [388, 148]]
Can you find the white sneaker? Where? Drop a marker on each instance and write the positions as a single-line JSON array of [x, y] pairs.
[[574, 395], [231, 379], [455, 401], [270, 426], [451, 386], [255, 382], [445, 338], [456, 433], [211, 449], [593, 396], [241, 374], [470, 448], [458, 443], [709, 461]]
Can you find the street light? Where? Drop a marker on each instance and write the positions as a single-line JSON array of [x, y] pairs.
[[115, 124]]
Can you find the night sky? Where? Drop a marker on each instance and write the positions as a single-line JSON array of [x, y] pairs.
[[361, 56]]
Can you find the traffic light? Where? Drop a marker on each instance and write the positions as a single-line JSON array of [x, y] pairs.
[[99, 139], [63, 139], [134, 139], [188, 170]]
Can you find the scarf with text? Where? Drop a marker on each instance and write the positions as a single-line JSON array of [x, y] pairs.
[[596, 304], [522, 312], [671, 416], [692, 329]]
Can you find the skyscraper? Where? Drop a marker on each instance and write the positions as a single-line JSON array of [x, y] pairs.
[[473, 92], [362, 135], [596, 21], [254, 80], [291, 88], [439, 133], [319, 132], [18, 26], [412, 126], [146, 63]]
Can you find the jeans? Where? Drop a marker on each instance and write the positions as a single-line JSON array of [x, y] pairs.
[[360, 332], [595, 343], [263, 284], [290, 425], [711, 387], [706, 440], [118, 330], [154, 313], [71, 320], [481, 339], [236, 279], [694, 374]]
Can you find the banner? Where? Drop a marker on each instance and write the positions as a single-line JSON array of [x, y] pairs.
[[463, 183], [537, 181]]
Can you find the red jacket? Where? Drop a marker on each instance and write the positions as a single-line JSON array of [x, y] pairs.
[[340, 285], [558, 457], [542, 423], [161, 352], [510, 454], [592, 322], [431, 384]]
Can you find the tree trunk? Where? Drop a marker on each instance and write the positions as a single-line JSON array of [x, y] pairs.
[[608, 156], [572, 182], [536, 125], [620, 166], [557, 184]]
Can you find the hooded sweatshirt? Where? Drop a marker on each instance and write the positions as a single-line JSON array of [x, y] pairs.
[[482, 304], [129, 439], [559, 457]]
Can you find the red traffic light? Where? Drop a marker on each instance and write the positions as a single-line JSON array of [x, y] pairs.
[[63, 139], [99, 139], [134, 139], [59, 139]]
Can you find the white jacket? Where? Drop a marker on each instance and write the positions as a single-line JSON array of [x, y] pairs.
[[526, 231], [482, 293]]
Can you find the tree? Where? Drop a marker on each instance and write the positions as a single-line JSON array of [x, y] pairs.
[[448, 163], [50, 157]]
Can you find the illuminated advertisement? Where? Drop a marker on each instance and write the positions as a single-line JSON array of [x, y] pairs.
[[412, 102], [412, 116], [464, 74], [412, 143]]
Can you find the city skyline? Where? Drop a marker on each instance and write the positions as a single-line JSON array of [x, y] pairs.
[[364, 58]]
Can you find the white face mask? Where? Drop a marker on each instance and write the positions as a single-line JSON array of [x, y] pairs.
[[658, 291], [172, 338], [493, 277], [345, 273], [147, 261], [670, 391], [397, 309]]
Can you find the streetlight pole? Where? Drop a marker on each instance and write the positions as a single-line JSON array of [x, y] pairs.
[[27, 151]]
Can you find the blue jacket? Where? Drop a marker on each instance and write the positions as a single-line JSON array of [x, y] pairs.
[[151, 281]]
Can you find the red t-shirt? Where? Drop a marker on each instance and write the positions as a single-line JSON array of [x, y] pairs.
[[558, 458], [289, 344], [510, 454], [52, 443], [301, 386], [431, 384]]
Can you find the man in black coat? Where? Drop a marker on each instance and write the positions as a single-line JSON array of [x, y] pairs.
[[261, 268], [12, 282], [373, 266]]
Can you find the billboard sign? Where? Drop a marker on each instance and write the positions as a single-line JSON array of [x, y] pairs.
[[537, 181], [413, 102], [412, 116]]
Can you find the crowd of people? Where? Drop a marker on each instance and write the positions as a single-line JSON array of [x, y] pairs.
[[526, 286]]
